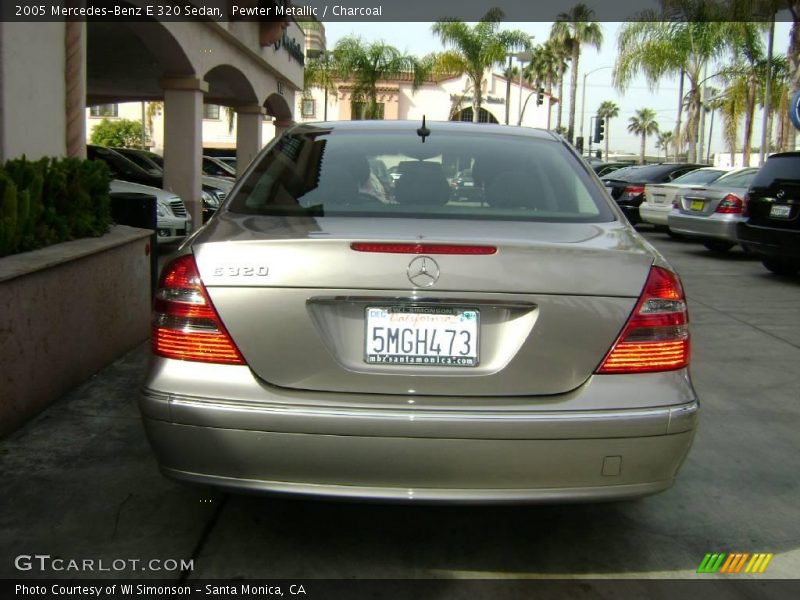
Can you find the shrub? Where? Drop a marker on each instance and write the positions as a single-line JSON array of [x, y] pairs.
[[126, 133], [51, 201]]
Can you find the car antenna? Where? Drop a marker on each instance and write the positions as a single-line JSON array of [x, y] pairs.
[[423, 131]]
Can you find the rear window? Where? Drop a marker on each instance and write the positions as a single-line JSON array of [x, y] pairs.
[[391, 173], [778, 167], [740, 179], [700, 177]]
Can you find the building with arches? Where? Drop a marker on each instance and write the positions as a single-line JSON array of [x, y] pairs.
[[50, 72], [438, 98]]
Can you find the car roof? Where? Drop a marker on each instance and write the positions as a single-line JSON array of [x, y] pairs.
[[653, 169]]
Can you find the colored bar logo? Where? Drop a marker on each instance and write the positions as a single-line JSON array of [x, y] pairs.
[[735, 563]]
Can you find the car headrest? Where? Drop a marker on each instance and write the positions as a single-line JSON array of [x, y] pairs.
[[518, 189], [422, 183]]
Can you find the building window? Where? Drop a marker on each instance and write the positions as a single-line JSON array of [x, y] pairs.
[[358, 111], [484, 116], [309, 107], [104, 110], [211, 111]]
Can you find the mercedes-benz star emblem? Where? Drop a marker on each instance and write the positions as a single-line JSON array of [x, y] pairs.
[[780, 194], [423, 271]]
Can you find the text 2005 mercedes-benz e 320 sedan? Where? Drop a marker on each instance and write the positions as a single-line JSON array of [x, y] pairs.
[[333, 331]]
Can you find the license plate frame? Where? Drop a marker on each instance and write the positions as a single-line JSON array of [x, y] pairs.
[[780, 211], [430, 319]]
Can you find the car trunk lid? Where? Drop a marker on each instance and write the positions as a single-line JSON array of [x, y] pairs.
[[296, 301]]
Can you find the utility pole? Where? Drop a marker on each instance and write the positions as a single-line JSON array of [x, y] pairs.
[[508, 87]]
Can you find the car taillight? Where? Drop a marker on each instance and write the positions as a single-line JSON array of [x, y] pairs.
[[731, 204], [634, 190], [185, 324], [656, 336]]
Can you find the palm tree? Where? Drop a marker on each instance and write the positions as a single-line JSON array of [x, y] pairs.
[[575, 28], [681, 40], [779, 103], [553, 65], [663, 141], [608, 110], [367, 64], [643, 123], [750, 64], [561, 55], [540, 73], [472, 50], [742, 10], [732, 107], [319, 72]]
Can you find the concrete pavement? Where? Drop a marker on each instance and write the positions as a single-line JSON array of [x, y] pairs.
[[79, 481]]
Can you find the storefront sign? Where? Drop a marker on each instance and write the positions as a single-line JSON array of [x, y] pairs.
[[291, 46], [486, 99]]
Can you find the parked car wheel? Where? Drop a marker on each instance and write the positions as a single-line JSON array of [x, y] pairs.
[[781, 266], [718, 245]]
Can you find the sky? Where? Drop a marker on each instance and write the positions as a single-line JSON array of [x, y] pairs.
[[417, 39]]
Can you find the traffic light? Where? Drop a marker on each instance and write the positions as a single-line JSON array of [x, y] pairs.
[[540, 97], [599, 129], [579, 144]]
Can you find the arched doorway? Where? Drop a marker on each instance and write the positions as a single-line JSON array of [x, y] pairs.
[[466, 114]]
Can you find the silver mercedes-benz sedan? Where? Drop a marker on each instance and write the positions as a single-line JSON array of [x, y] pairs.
[[334, 333]]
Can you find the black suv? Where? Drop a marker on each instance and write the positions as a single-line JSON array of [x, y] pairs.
[[772, 229]]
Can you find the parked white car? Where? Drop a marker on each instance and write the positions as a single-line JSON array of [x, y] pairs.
[[174, 222], [658, 197]]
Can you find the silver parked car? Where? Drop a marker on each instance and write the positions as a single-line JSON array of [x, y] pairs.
[[525, 344], [658, 197], [173, 222], [711, 213]]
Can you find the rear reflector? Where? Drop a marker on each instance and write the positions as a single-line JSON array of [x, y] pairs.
[[422, 248], [656, 336], [185, 324]]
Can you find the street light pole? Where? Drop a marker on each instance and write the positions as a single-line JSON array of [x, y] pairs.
[[522, 57], [508, 87], [583, 95]]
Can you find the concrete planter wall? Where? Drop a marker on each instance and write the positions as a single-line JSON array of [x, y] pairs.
[[66, 311]]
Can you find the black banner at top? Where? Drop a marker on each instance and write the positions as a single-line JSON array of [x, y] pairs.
[[383, 10]]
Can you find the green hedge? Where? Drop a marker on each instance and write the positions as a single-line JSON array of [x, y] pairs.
[[50, 201]]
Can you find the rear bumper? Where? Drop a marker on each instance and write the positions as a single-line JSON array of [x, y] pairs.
[[430, 449], [769, 241], [716, 226], [421, 469], [654, 214], [631, 210]]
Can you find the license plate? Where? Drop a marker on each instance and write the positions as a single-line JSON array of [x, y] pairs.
[[696, 205], [659, 199], [781, 211], [422, 336]]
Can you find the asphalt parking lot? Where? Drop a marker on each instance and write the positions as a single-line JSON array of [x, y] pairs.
[[79, 481]]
